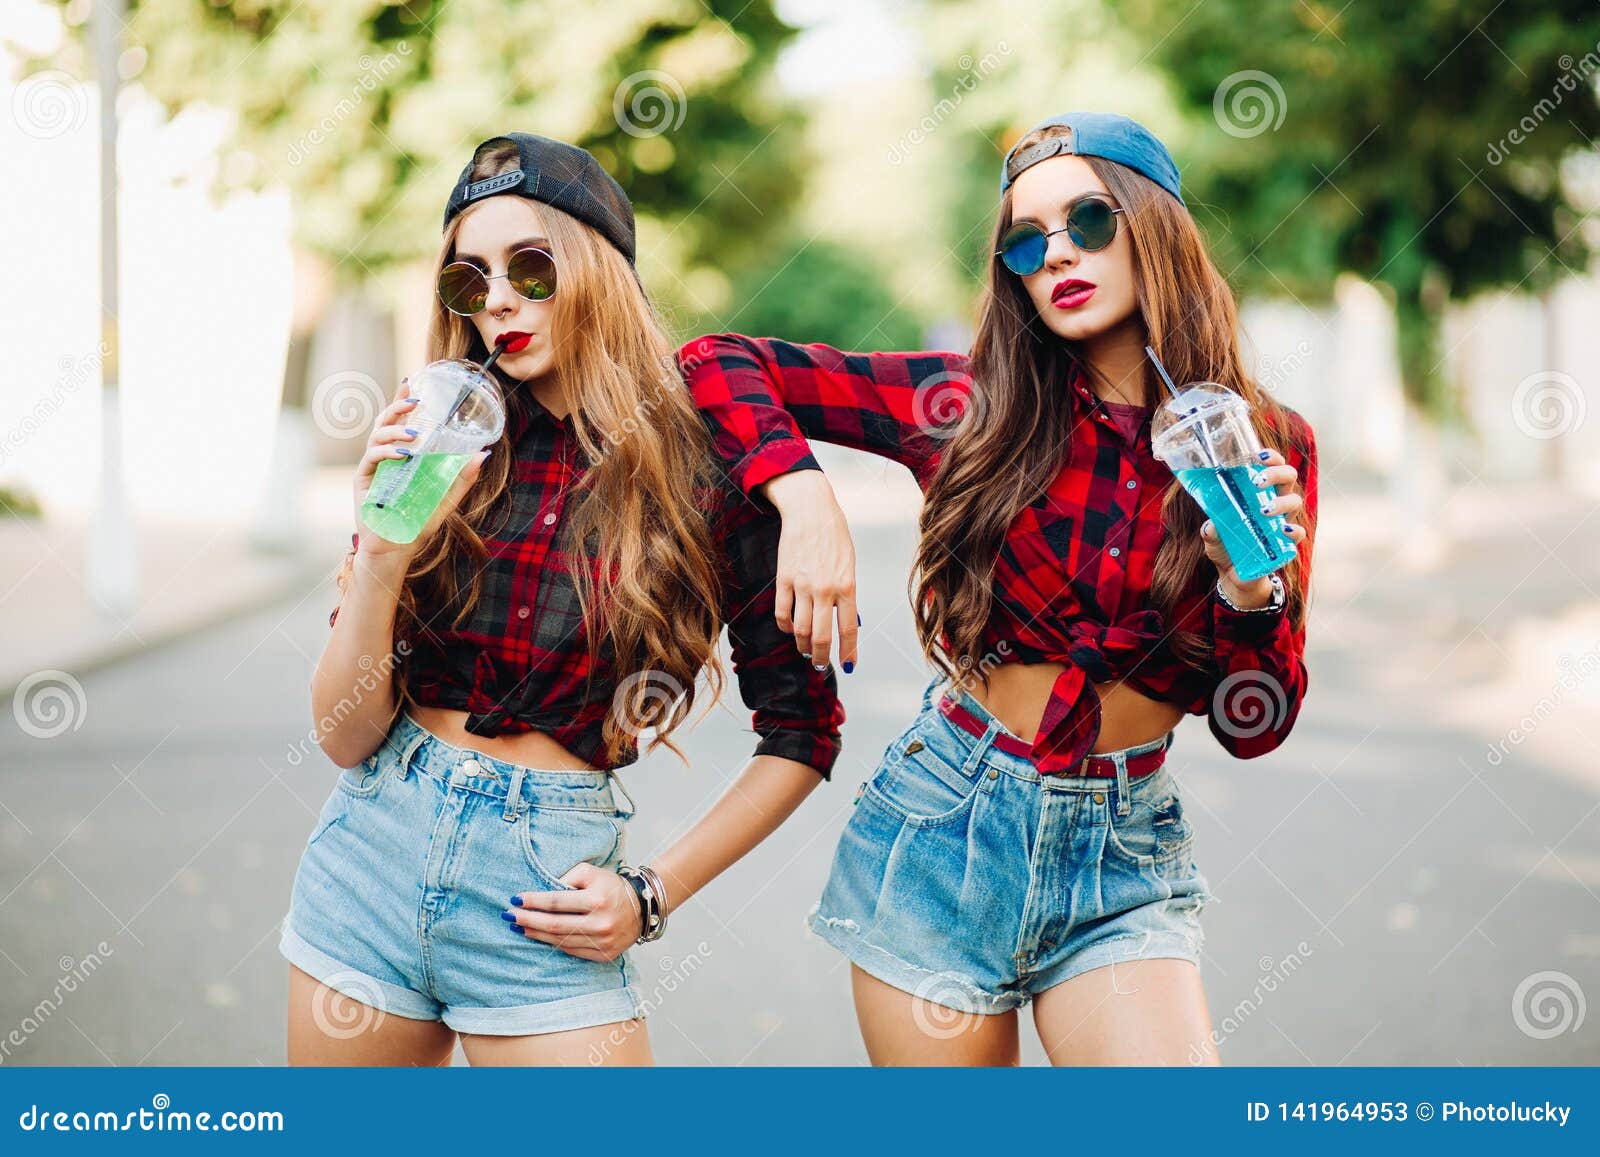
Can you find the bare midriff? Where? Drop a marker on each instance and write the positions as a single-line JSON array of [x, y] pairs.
[[1017, 694], [529, 748]]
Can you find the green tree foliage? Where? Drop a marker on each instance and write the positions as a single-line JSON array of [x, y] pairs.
[[367, 109], [822, 291], [1417, 145]]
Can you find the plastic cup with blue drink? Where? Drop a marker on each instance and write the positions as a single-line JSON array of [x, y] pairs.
[[1204, 434], [459, 411]]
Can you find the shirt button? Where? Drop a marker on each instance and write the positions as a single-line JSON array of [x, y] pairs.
[[1099, 797], [1115, 551], [522, 612], [993, 774], [550, 519], [1131, 484]]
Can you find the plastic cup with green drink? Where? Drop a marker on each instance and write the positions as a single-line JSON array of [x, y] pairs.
[[459, 411]]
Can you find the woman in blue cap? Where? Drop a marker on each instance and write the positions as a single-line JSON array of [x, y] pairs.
[[1024, 839]]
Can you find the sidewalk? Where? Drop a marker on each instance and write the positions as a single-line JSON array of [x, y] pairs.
[[192, 575]]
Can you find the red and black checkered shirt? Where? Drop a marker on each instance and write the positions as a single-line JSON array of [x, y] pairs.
[[521, 661], [1072, 581]]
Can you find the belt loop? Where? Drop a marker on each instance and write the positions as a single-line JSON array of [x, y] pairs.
[[616, 782], [513, 794], [1120, 758], [418, 738]]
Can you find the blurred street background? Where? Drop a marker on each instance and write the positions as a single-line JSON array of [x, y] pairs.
[[1405, 206]]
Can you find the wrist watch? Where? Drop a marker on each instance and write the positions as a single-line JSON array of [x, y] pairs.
[[1274, 604]]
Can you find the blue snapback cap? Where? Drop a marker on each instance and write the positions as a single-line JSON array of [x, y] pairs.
[[1099, 134]]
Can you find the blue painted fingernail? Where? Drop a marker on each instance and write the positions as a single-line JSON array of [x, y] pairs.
[[516, 901], [412, 401], [509, 917], [404, 451], [858, 620], [849, 666], [1265, 454], [410, 431]]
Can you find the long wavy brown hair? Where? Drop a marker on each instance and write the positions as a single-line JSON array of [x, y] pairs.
[[639, 508], [1015, 439]]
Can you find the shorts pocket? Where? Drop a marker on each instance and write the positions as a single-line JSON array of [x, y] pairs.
[[365, 780], [556, 840], [1153, 833], [924, 779]]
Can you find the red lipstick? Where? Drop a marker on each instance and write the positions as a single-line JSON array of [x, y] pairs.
[[1072, 293], [513, 341]]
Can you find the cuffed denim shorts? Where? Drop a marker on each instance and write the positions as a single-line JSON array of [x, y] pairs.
[[967, 878], [417, 851]]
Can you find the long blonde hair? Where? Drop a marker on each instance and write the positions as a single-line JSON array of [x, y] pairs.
[[651, 609], [991, 469]]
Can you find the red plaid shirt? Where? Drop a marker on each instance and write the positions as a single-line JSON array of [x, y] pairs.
[[521, 662], [1072, 582]]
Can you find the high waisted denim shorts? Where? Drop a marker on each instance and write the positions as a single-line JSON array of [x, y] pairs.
[[967, 878], [418, 850]]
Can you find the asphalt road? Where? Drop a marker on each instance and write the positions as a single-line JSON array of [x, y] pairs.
[[1386, 895]]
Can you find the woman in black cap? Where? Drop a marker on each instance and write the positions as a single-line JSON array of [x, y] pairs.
[[466, 875], [1024, 839]]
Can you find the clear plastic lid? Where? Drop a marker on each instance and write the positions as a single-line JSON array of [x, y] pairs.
[[1196, 403], [1203, 424], [476, 423]]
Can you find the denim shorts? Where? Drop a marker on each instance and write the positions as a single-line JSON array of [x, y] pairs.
[[417, 851], [967, 878]]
